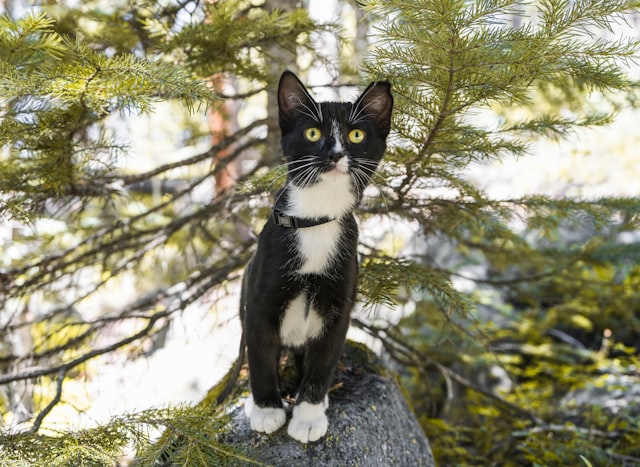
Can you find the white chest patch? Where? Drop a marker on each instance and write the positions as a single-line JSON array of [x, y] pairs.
[[298, 327], [318, 245]]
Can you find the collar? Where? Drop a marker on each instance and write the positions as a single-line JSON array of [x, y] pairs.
[[291, 222]]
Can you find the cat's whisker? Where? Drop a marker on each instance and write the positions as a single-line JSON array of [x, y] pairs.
[[290, 180], [275, 169], [274, 181], [302, 167], [302, 176], [375, 173], [304, 162], [366, 179], [289, 170], [315, 113], [369, 179], [309, 177], [287, 184], [367, 162], [296, 174], [318, 109], [361, 177], [286, 165]]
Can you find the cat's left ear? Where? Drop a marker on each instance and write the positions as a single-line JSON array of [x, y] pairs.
[[376, 104], [293, 98]]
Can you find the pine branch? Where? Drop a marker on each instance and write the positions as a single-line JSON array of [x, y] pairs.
[[119, 237], [55, 89], [177, 297], [402, 350], [382, 277], [49, 407], [197, 428], [208, 155]]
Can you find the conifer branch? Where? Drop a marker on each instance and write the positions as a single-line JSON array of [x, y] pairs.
[[207, 155], [69, 365], [178, 297], [403, 351], [49, 407]]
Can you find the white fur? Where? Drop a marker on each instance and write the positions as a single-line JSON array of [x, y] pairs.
[[309, 422], [264, 419], [331, 197], [338, 146], [297, 327], [318, 246], [343, 165]]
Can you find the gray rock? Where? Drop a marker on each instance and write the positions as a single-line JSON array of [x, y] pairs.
[[370, 423]]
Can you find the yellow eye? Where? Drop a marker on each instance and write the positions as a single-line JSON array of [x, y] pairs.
[[356, 136], [312, 134]]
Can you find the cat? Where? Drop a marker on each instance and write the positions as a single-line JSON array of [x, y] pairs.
[[300, 285]]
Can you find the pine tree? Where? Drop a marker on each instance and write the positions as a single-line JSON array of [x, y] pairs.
[[514, 63], [543, 304]]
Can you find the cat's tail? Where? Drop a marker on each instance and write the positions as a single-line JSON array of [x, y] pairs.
[[230, 379]]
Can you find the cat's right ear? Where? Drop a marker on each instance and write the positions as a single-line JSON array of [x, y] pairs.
[[294, 99]]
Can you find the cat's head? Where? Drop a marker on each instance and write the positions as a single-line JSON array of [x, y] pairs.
[[324, 138]]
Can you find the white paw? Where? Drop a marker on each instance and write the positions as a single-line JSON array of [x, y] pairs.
[[248, 406], [264, 419], [309, 422]]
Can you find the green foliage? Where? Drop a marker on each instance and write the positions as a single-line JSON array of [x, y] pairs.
[[477, 82], [56, 93], [189, 438], [238, 36], [84, 227], [382, 280]]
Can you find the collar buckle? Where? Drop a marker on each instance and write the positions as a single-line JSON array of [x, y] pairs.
[[282, 220]]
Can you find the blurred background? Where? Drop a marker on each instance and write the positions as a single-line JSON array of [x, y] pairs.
[[499, 239]]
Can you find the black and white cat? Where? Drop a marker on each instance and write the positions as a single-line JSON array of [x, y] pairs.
[[300, 286]]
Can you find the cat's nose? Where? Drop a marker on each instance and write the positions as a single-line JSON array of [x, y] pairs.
[[335, 156]]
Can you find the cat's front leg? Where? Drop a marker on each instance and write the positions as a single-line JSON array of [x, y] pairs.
[[309, 421], [264, 406]]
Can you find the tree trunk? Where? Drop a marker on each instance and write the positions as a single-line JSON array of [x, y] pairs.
[[223, 121]]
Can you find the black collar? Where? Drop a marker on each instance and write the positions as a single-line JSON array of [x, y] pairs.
[[291, 222]]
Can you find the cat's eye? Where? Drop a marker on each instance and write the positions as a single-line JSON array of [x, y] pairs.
[[356, 136], [312, 134]]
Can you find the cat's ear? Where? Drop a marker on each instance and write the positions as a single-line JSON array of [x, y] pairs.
[[294, 99], [375, 103]]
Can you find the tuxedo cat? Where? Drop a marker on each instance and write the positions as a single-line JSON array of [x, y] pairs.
[[300, 285]]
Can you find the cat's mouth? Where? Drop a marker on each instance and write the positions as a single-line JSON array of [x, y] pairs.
[[341, 166]]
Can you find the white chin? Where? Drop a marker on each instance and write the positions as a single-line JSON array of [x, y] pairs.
[[337, 173]]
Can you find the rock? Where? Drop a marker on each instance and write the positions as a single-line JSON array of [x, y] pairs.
[[370, 423]]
